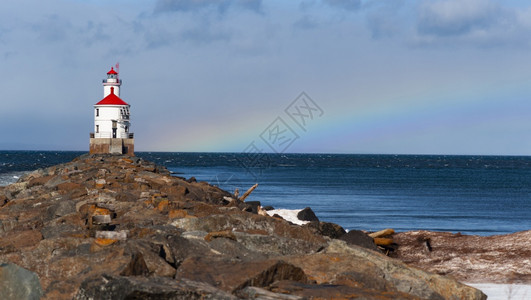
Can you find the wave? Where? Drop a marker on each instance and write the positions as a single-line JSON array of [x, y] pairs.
[[11, 177], [288, 215]]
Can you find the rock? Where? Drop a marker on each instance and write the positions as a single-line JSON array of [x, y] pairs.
[[250, 206], [114, 235], [330, 230], [223, 234], [359, 238], [469, 258], [20, 239], [107, 287], [232, 277], [398, 276], [41, 180], [101, 219], [272, 245], [136, 267], [3, 199], [307, 214], [236, 250], [61, 208], [252, 292], [54, 230], [68, 186], [17, 283], [299, 290]]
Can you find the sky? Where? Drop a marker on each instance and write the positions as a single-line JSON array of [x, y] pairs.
[[306, 76]]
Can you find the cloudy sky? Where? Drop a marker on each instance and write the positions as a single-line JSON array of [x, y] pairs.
[[337, 76]]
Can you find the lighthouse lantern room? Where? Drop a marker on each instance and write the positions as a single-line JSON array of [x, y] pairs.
[[112, 120]]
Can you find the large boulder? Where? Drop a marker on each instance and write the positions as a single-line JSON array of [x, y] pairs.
[[327, 229], [232, 276], [17, 283], [359, 238], [107, 287], [307, 214]]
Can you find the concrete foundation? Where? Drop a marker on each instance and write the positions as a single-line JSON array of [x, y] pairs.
[[110, 145]]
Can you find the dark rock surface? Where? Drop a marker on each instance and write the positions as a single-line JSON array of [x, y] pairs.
[[107, 287], [327, 229], [119, 227], [359, 238], [307, 214]]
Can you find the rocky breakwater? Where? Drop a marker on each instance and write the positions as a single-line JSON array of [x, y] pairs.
[[118, 227]]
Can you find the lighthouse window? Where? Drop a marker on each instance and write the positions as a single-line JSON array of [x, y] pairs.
[[97, 112], [97, 128]]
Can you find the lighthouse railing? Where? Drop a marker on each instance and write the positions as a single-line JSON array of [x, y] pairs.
[[120, 135]]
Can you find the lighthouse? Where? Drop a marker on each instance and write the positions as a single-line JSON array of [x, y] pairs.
[[112, 120]]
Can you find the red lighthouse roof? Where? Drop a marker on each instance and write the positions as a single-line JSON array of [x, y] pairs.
[[112, 99], [112, 71]]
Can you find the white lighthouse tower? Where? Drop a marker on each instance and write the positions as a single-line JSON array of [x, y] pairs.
[[111, 81], [112, 120]]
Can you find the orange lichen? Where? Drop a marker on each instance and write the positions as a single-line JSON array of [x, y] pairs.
[[178, 213], [163, 205], [104, 242], [100, 211]]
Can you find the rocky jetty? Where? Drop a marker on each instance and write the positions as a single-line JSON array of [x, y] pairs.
[[119, 227]]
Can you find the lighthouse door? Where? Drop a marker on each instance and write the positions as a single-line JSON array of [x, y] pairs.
[[114, 129]]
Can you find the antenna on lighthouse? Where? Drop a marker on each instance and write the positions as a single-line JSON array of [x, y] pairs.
[[117, 67]]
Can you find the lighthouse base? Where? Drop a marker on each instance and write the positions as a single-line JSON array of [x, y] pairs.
[[114, 146]]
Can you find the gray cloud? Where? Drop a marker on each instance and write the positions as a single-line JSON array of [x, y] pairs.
[[458, 17], [53, 28], [306, 22], [205, 34], [350, 5], [220, 6], [385, 18], [381, 25], [477, 23]]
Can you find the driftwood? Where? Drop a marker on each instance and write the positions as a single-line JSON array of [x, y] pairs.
[[236, 193], [383, 241], [382, 233], [249, 191]]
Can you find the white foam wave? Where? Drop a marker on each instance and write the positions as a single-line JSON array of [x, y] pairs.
[[11, 177], [288, 215]]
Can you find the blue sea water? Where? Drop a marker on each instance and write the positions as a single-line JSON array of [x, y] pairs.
[[482, 195]]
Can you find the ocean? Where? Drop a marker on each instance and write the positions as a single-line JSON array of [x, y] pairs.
[[482, 195]]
